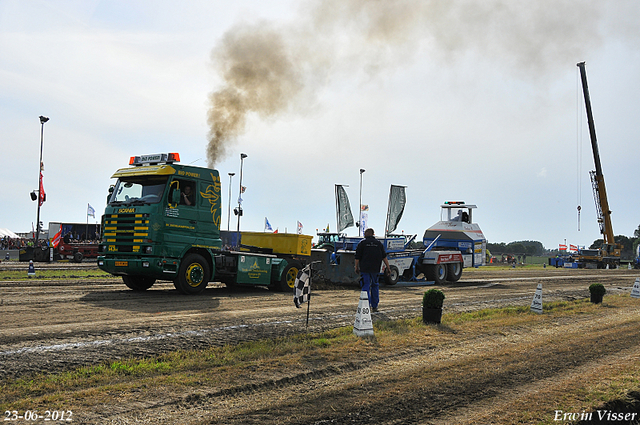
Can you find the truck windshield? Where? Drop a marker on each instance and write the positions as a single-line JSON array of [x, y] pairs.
[[138, 190]]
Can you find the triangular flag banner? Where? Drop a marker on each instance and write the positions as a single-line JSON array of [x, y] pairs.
[[536, 304], [635, 292], [363, 326]]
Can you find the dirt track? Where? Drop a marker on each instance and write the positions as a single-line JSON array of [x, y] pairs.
[[55, 325]]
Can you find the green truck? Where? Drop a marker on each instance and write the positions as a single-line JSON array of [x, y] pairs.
[[162, 222]]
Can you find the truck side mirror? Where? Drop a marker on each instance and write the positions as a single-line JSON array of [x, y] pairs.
[[175, 196], [111, 189]]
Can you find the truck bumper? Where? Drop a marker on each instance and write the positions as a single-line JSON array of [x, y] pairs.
[[442, 257], [158, 268]]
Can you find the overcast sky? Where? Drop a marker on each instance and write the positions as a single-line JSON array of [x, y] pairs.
[[455, 99]]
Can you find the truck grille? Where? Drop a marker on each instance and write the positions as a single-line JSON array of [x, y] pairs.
[[125, 232]]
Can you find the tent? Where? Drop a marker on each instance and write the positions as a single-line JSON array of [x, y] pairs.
[[7, 232]]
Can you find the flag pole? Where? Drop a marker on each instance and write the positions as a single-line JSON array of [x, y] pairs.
[[337, 212], [309, 300], [386, 223]]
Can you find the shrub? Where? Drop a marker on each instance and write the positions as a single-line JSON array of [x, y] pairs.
[[597, 291], [433, 298]]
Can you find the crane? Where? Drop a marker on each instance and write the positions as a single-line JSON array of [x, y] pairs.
[[609, 253]]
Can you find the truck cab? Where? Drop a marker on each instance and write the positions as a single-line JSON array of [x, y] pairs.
[[162, 221]]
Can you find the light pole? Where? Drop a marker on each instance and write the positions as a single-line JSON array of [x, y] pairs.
[[43, 120], [361, 231], [229, 209], [239, 212]]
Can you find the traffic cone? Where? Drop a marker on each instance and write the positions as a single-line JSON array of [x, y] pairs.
[[363, 325], [635, 292], [536, 304]]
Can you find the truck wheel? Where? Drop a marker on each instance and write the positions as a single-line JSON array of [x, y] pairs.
[[193, 275], [77, 257], [288, 278], [437, 273], [454, 272], [393, 276], [138, 283]]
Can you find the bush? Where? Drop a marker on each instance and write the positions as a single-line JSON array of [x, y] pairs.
[[597, 291], [433, 298]]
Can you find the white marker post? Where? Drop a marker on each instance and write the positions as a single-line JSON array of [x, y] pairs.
[[536, 304], [635, 292], [363, 326]]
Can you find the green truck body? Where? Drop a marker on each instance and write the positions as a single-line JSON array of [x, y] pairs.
[[162, 222]]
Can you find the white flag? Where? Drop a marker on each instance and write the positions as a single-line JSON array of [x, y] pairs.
[[90, 211]]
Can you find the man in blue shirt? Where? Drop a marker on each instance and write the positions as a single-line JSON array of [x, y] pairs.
[[370, 254]]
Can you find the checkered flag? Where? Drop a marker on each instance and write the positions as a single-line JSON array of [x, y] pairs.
[[302, 286]]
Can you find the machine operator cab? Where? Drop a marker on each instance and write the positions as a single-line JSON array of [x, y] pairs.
[[456, 211], [457, 231]]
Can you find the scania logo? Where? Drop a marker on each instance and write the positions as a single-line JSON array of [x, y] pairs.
[[126, 210]]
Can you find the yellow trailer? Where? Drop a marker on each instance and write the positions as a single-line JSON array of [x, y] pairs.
[[279, 243]]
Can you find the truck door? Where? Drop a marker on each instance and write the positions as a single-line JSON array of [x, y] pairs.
[[209, 212], [181, 218]]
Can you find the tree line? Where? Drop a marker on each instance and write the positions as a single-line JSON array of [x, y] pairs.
[[629, 246], [517, 247]]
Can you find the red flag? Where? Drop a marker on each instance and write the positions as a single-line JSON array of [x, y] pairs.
[[56, 239], [562, 247], [42, 195], [573, 247]]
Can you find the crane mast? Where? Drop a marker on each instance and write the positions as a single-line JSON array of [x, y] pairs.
[[610, 252]]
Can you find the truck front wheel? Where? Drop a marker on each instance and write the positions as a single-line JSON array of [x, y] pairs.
[[193, 275], [436, 273], [454, 272], [138, 283]]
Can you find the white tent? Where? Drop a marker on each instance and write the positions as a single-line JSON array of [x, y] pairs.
[[7, 232]]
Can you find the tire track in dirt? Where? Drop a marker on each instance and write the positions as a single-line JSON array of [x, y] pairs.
[[423, 389], [86, 316], [416, 386]]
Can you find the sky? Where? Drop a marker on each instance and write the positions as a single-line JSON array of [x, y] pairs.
[[456, 100]]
